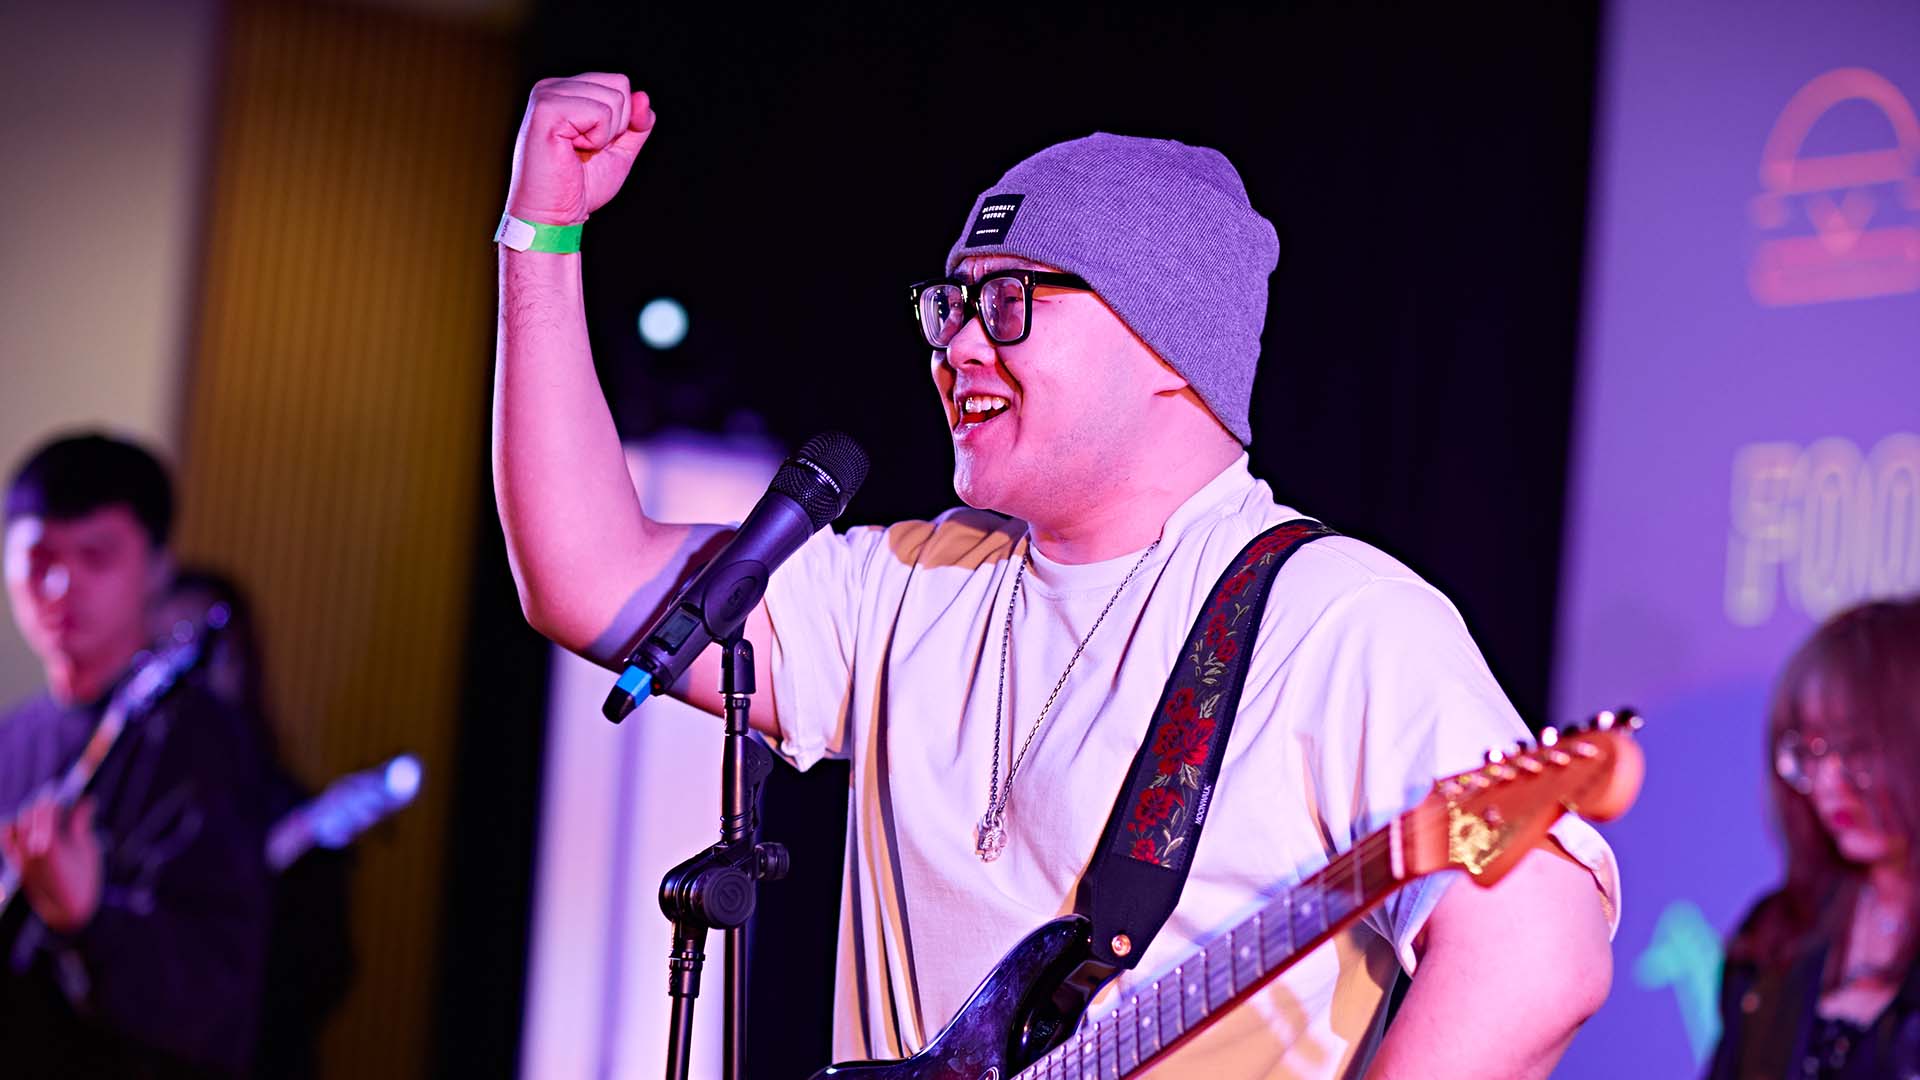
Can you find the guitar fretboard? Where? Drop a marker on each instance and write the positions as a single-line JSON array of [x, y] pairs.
[[1154, 1017]]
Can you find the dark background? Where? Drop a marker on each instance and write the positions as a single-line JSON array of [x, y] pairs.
[[1427, 173]]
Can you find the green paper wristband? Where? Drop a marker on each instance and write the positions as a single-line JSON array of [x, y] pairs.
[[559, 239], [522, 235]]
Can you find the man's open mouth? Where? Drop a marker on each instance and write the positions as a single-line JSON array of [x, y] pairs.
[[980, 408]]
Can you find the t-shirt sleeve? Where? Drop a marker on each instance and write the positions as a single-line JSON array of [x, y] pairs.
[[814, 603], [1410, 699]]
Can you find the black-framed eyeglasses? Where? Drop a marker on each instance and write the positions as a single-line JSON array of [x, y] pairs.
[[1795, 756], [1003, 299]]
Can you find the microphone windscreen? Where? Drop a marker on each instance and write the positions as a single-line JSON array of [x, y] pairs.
[[823, 475]]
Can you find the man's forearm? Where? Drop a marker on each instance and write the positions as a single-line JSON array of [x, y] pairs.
[[573, 526]]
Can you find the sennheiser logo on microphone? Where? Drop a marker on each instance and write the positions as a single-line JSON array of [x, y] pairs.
[[821, 473]]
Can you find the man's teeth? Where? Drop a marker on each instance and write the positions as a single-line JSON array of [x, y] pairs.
[[982, 403]]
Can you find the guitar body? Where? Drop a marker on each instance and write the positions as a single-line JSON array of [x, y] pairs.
[[1024, 1007]]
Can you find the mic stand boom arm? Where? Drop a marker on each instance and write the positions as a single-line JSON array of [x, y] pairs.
[[718, 887]]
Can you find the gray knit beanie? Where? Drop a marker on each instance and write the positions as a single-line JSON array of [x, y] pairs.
[[1164, 233]]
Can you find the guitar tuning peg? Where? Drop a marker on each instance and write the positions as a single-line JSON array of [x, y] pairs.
[[1604, 720], [1549, 736], [1496, 756], [1633, 720]]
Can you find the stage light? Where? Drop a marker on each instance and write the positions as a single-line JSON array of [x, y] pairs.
[[663, 323]]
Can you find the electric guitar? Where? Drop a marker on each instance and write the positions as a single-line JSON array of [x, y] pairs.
[[154, 673], [1021, 1020], [350, 806]]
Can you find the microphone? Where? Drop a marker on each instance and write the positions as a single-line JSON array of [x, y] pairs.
[[811, 489]]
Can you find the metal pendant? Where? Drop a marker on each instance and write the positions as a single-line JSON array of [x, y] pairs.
[[990, 837]]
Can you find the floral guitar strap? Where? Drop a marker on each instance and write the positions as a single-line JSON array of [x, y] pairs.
[[1141, 865]]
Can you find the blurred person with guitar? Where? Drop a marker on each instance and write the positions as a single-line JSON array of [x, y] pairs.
[[134, 932], [998, 677], [1822, 980]]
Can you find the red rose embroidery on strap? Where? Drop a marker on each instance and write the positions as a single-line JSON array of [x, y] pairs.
[[1169, 764], [1156, 805], [1276, 542], [1180, 705], [1170, 737], [1167, 740], [1198, 738], [1183, 741]]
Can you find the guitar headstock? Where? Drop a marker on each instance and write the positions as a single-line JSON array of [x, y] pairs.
[[178, 650], [1481, 821]]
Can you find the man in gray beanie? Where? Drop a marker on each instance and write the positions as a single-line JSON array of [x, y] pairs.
[[1164, 233], [992, 674]]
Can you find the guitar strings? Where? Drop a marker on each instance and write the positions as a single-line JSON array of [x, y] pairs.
[[1419, 817]]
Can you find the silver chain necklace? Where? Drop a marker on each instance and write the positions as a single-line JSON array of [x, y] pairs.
[[990, 834]]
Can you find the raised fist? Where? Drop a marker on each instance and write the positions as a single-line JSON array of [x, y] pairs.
[[576, 144]]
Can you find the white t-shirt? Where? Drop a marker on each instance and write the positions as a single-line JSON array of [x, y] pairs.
[[1363, 687]]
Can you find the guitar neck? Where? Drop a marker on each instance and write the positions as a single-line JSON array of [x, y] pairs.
[[1153, 1019], [350, 806]]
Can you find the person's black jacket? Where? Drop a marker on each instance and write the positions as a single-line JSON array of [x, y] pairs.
[[1767, 1018], [167, 979], [310, 959]]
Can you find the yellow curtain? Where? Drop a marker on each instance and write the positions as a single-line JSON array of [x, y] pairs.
[[335, 422]]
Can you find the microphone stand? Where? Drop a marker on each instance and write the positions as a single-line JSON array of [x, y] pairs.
[[718, 887]]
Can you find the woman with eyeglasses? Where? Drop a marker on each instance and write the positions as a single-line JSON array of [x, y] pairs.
[[1822, 981]]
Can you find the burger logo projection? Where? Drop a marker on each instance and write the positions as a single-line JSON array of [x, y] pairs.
[[1839, 208]]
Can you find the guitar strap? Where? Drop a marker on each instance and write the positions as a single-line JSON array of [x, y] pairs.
[[1141, 865]]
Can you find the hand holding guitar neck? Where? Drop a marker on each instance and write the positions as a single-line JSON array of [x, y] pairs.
[[56, 857]]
